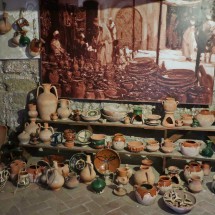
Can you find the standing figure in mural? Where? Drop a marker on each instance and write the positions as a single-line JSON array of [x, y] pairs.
[[104, 44], [189, 42], [112, 28]]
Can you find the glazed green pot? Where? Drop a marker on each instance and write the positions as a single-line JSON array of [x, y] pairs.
[[24, 40], [98, 185], [137, 111], [208, 151]]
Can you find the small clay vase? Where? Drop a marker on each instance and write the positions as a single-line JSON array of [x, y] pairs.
[[32, 127], [32, 111], [164, 184], [64, 110], [24, 138], [45, 133], [72, 180], [187, 119], [195, 184], [169, 104], [5, 26]]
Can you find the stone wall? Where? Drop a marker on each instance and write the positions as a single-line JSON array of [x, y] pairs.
[[20, 78]]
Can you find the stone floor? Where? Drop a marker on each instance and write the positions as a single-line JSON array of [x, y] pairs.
[[35, 200]]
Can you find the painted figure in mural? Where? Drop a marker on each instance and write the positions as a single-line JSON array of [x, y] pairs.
[[56, 47], [189, 42], [112, 28], [81, 46]]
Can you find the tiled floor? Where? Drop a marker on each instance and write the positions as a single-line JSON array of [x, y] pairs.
[[35, 200]]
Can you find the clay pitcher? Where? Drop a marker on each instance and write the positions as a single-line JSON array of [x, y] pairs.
[[169, 104], [88, 174], [195, 184], [5, 26], [72, 180], [45, 133], [32, 127], [64, 110], [47, 101], [78, 89], [54, 179]]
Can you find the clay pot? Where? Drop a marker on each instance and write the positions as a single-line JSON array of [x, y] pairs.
[[78, 89], [15, 167], [145, 194], [173, 173], [195, 184], [72, 180], [123, 175], [193, 169], [167, 146], [118, 141], [206, 167], [54, 179], [34, 172], [190, 148], [46, 101], [35, 47], [205, 118], [152, 145], [69, 135], [32, 127], [54, 116], [15, 39], [187, 119], [88, 174], [45, 134], [169, 104], [32, 113], [64, 110], [24, 138], [5, 26], [98, 140], [164, 184], [98, 185]]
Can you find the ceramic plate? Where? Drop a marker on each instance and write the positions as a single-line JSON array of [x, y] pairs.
[[83, 136], [77, 162], [106, 159]]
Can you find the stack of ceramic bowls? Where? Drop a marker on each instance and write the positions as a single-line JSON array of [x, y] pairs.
[[152, 119], [114, 114]]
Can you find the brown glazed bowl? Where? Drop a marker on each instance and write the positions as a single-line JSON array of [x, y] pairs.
[[136, 146]]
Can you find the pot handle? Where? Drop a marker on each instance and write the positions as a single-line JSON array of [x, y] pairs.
[[38, 90], [177, 102], [51, 129], [55, 90], [47, 173]]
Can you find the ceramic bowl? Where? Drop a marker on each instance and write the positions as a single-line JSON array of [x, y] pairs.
[[87, 117], [135, 146], [184, 196], [190, 151], [114, 111], [152, 147], [114, 118], [153, 117]]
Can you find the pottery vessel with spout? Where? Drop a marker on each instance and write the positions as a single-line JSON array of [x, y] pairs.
[[169, 104], [47, 101], [45, 133], [88, 174], [64, 110], [145, 194], [32, 127], [118, 141], [195, 184], [72, 180], [54, 179], [193, 169], [205, 118]]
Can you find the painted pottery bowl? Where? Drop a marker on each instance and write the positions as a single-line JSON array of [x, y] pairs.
[[135, 146], [90, 116], [115, 111], [186, 203], [114, 118], [98, 140], [190, 148]]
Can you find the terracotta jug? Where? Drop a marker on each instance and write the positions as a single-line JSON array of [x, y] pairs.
[[32, 111], [72, 180], [54, 179], [46, 101], [24, 138], [122, 176], [169, 104], [118, 141], [144, 176], [32, 127], [195, 184], [88, 174], [78, 89], [64, 110], [45, 133], [5, 26], [193, 169], [205, 118], [35, 47]]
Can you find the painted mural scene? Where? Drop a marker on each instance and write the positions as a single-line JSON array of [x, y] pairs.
[[129, 50]]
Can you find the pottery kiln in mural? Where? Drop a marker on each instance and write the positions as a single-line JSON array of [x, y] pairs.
[[129, 50]]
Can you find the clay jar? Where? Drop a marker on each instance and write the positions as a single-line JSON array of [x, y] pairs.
[[64, 110], [72, 180], [195, 184], [24, 138], [123, 175], [32, 127], [193, 169], [46, 101], [34, 172], [145, 194], [118, 141], [32, 113], [167, 146], [5, 26], [78, 89], [205, 118], [187, 119], [190, 148], [69, 135], [54, 179], [164, 184], [45, 133], [169, 104], [206, 167]]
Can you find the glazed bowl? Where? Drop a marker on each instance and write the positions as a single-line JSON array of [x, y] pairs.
[[114, 118], [135, 146], [153, 117], [113, 111], [186, 197], [92, 115]]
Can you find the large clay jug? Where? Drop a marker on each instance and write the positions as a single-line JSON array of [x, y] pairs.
[[78, 89], [5, 26], [144, 176], [54, 179], [88, 174], [64, 110], [169, 104], [193, 169], [45, 133], [32, 127], [46, 101]]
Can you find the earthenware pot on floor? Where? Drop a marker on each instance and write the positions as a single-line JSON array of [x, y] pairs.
[[195, 184], [193, 169], [72, 180]]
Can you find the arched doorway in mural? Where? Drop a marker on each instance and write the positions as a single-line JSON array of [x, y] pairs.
[[129, 27]]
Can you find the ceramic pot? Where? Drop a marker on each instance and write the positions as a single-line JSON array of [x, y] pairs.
[[187, 119], [195, 184], [98, 185], [23, 179], [193, 169], [24, 40], [35, 47], [45, 133], [190, 148], [98, 140], [47, 101], [152, 145], [5, 26], [64, 110], [205, 118], [34, 172], [213, 185], [54, 116], [123, 175], [24, 138], [15, 39], [88, 174], [145, 194], [32, 127], [54, 179], [164, 184], [63, 169], [69, 135], [208, 151], [118, 141], [72, 180], [169, 104], [78, 89], [206, 167], [32, 111], [15, 167]]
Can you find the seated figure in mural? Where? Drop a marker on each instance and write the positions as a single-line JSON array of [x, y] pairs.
[[189, 42]]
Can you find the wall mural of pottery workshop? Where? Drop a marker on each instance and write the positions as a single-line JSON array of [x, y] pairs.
[[129, 50], [19, 29]]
